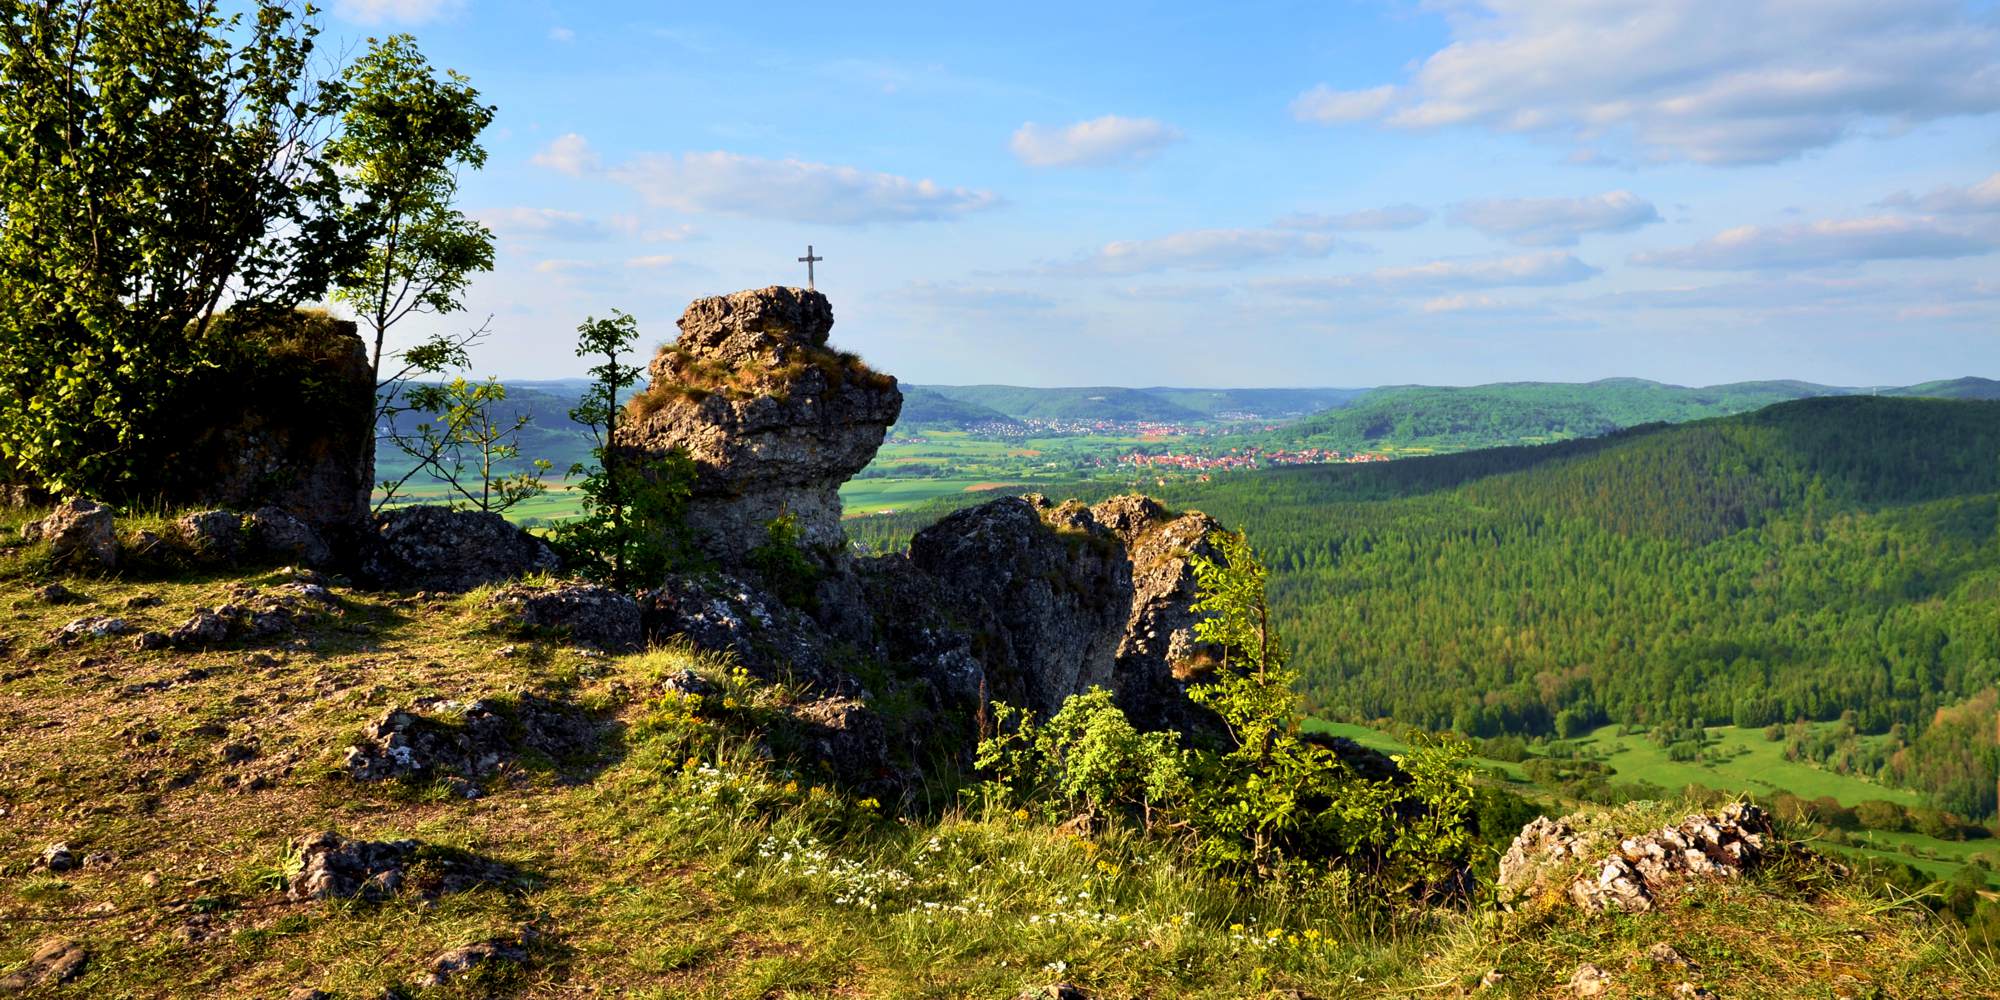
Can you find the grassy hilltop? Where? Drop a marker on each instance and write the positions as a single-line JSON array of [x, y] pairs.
[[677, 857]]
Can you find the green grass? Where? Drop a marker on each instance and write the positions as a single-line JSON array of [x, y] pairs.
[[685, 859], [1736, 760]]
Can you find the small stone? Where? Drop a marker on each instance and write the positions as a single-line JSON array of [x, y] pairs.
[[150, 880], [1662, 953], [1689, 991], [236, 753], [77, 529], [1589, 981], [140, 601], [97, 859], [1492, 979], [458, 961], [55, 961], [58, 858], [307, 993], [148, 641], [56, 593], [1054, 991]]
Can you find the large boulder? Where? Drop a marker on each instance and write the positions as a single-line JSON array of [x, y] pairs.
[[773, 419], [284, 419], [1043, 592], [77, 531], [437, 548]]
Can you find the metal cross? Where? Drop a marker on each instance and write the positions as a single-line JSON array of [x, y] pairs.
[[808, 261]]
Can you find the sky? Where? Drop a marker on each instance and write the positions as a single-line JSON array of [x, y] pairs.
[[1248, 193]]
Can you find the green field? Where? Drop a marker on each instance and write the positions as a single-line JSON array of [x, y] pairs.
[[876, 496], [1736, 759]]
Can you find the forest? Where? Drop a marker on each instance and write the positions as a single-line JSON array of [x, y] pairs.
[[1811, 559]]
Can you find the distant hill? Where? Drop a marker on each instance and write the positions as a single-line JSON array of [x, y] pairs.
[[1958, 388], [1454, 418], [1269, 404], [929, 408], [1083, 403], [1810, 558]]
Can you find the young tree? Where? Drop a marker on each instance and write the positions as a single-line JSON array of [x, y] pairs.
[[157, 158], [405, 135], [468, 450], [631, 529]]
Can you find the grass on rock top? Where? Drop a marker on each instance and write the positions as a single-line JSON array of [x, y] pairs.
[[679, 861]]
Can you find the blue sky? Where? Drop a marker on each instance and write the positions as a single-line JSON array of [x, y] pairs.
[[1445, 192]]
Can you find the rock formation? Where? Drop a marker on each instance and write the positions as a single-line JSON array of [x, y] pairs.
[[773, 418], [1043, 592], [1603, 870], [77, 530], [435, 548]]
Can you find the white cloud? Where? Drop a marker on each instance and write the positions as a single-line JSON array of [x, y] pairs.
[[653, 262], [975, 298], [395, 11], [1714, 81], [561, 34], [793, 190], [1554, 267], [569, 154], [1366, 220], [1555, 222], [1820, 244], [563, 266], [543, 223], [1976, 198], [1328, 106], [1202, 250], [1095, 143]]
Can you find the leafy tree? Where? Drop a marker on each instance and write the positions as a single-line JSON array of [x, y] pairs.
[[157, 158], [632, 528], [1087, 758], [468, 449], [406, 132]]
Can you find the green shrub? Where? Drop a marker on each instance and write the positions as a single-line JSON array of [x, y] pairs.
[[782, 562], [1087, 758]]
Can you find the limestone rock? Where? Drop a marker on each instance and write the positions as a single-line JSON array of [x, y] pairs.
[[719, 613], [59, 858], [276, 534], [458, 961], [584, 614], [213, 536], [336, 867], [55, 961], [773, 419], [91, 628], [437, 737], [1043, 592], [847, 736], [1589, 981], [77, 531], [252, 614], [437, 548], [1159, 655], [1633, 872]]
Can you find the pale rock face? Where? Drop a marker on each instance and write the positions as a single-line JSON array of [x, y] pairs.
[[774, 420], [1630, 874]]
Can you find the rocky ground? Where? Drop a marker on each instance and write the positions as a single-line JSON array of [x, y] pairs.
[[405, 794]]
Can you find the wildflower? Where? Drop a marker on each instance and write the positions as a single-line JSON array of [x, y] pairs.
[[791, 788], [869, 803], [1021, 814], [729, 702], [1312, 934]]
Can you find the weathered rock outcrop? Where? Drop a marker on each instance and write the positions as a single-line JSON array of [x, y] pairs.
[[284, 421], [436, 548], [1043, 592], [582, 614], [336, 867], [723, 614], [437, 738], [1630, 874], [77, 531], [1158, 656], [773, 419]]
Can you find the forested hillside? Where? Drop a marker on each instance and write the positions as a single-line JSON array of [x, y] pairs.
[[1451, 418], [1813, 558]]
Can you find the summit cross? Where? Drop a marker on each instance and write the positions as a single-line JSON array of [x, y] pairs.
[[808, 260]]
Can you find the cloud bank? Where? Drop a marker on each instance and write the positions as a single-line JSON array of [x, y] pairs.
[[1555, 222], [1712, 81], [1099, 142]]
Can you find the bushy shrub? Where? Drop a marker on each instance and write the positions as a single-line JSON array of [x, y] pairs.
[[781, 560], [1270, 804]]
